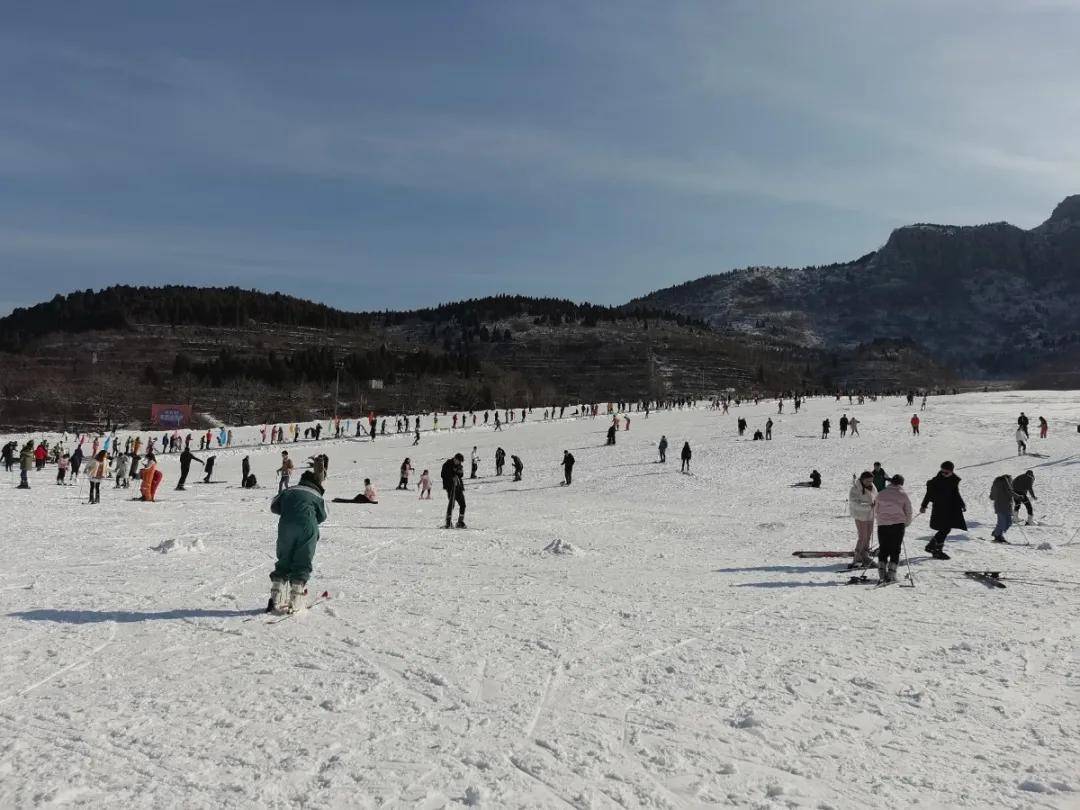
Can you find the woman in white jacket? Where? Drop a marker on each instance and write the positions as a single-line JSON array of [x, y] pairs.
[[861, 502]]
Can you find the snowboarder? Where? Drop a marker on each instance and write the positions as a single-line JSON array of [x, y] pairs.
[[186, 457], [662, 447], [686, 454], [369, 495], [1024, 486], [300, 510], [861, 500], [568, 468], [943, 490], [453, 473], [1002, 494], [894, 515]]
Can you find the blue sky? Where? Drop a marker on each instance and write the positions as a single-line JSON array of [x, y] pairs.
[[400, 154]]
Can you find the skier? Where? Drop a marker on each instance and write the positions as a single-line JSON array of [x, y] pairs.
[[1022, 422], [518, 467], [894, 514], [475, 463], [611, 435], [843, 425], [285, 471], [880, 476], [861, 501], [825, 428], [425, 486], [1023, 494], [568, 468], [1043, 427], [685, 457], [77, 460], [300, 510], [500, 460], [943, 490], [62, 465], [1021, 442], [1002, 494], [208, 469], [662, 447], [151, 478], [186, 457], [453, 473], [768, 429], [853, 426], [914, 424], [26, 463], [406, 468]]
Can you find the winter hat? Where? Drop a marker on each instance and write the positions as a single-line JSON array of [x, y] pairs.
[[947, 465], [897, 480]]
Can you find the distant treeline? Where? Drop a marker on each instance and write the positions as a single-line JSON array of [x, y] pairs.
[[122, 306]]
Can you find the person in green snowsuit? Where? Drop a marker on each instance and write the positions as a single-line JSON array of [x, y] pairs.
[[301, 510], [880, 476]]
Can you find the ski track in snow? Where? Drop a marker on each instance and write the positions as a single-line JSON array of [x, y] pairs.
[[679, 657]]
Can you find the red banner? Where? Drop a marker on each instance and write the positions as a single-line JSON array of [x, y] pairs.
[[170, 416]]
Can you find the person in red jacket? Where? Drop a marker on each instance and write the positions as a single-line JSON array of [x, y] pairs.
[[915, 424]]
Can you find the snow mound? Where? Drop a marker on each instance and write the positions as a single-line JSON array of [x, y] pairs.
[[558, 546], [172, 544], [1045, 547]]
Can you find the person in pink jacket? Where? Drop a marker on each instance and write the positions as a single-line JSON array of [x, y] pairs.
[[894, 514]]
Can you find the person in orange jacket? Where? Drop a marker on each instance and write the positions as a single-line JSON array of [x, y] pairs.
[[151, 479]]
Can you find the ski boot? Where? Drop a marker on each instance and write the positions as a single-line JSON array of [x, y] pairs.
[[1030, 521], [882, 573], [297, 597], [938, 553], [278, 597], [890, 573], [997, 538], [461, 524]]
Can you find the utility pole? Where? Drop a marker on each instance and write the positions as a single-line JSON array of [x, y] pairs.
[[337, 384]]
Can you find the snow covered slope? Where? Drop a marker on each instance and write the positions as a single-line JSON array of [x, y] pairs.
[[675, 654]]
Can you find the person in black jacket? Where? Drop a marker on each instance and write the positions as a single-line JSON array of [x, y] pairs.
[[1023, 494], [1022, 423], [568, 468], [685, 457], [245, 471], [943, 490], [500, 460], [611, 434], [518, 467], [825, 429], [186, 457], [453, 475]]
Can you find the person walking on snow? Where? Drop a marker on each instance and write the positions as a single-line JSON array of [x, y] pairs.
[[1023, 494], [880, 476], [406, 468], [285, 472], [943, 491], [568, 468], [914, 424], [861, 501], [825, 425], [1043, 427], [475, 465], [300, 510], [1021, 442], [1002, 494], [611, 435], [99, 471], [453, 474], [843, 425], [894, 515], [853, 426], [768, 429], [500, 460], [1022, 422], [686, 454], [662, 447], [425, 486], [518, 466]]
